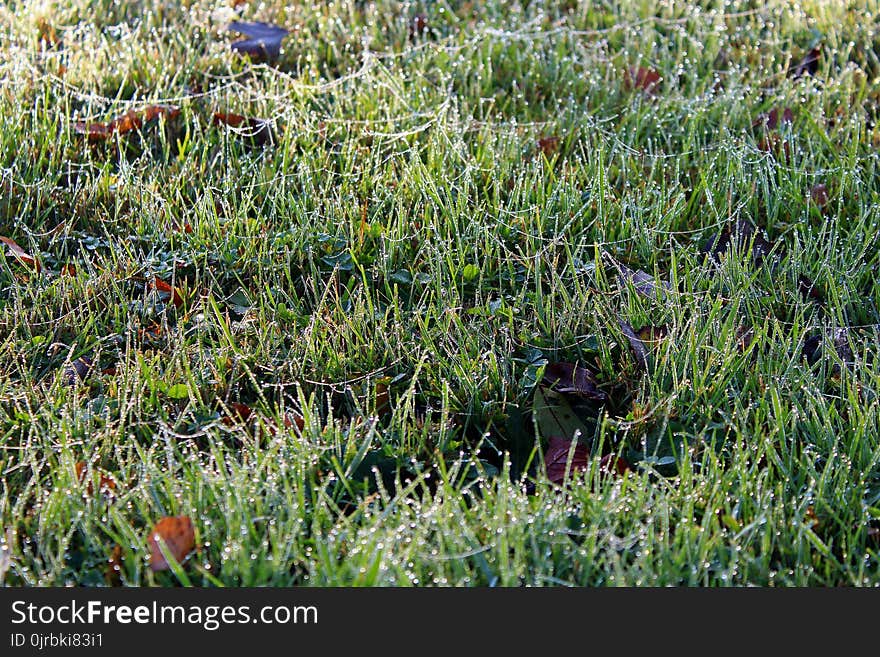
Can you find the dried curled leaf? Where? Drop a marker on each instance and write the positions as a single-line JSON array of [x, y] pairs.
[[263, 41], [167, 292], [548, 145], [741, 235], [21, 255], [178, 535], [131, 121], [106, 483], [772, 119], [636, 345], [257, 131]]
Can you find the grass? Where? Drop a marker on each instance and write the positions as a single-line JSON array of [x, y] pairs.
[[395, 268]]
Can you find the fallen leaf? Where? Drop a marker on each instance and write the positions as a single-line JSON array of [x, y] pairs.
[[257, 130], [636, 345], [808, 65], [741, 235], [167, 292], [572, 379], [770, 120], [130, 121], [263, 42], [613, 464], [69, 270], [554, 416], [644, 79], [819, 195], [240, 414], [837, 339], [383, 399], [21, 255], [179, 537], [113, 574], [652, 333], [106, 483], [809, 290], [77, 371], [548, 146], [643, 282], [418, 25], [556, 458]]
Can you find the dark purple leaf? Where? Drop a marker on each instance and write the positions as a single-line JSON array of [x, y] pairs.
[[263, 42], [741, 235], [572, 379], [556, 461], [636, 345], [77, 371]]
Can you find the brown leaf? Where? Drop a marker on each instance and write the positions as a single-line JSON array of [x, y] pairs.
[[106, 483], [773, 118], [652, 333], [383, 399], [548, 146], [69, 270], [167, 292], [644, 79], [819, 195], [257, 130], [809, 290], [130, 121], [113, 574], [643, 282], [418, 25], [572, 379], [556, 461], [742, 234], [21, 255], [240, 414], [179, 537], [808, 65]]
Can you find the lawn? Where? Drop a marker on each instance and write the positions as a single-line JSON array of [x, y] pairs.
[[440, 293]]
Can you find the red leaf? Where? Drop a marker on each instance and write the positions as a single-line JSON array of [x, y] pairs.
[[639, 77], [167, 292], [21, 255], [241, 413], [613, 464], [179, 537], [556, 458], [572, 379]]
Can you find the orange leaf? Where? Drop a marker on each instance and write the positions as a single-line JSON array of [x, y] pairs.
[[21, 255], [68, 270], [167, 292], [130, 121], [260, 132], [105, 485], [179, 537]]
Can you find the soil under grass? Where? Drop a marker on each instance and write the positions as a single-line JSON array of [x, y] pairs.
[[311, 301]]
